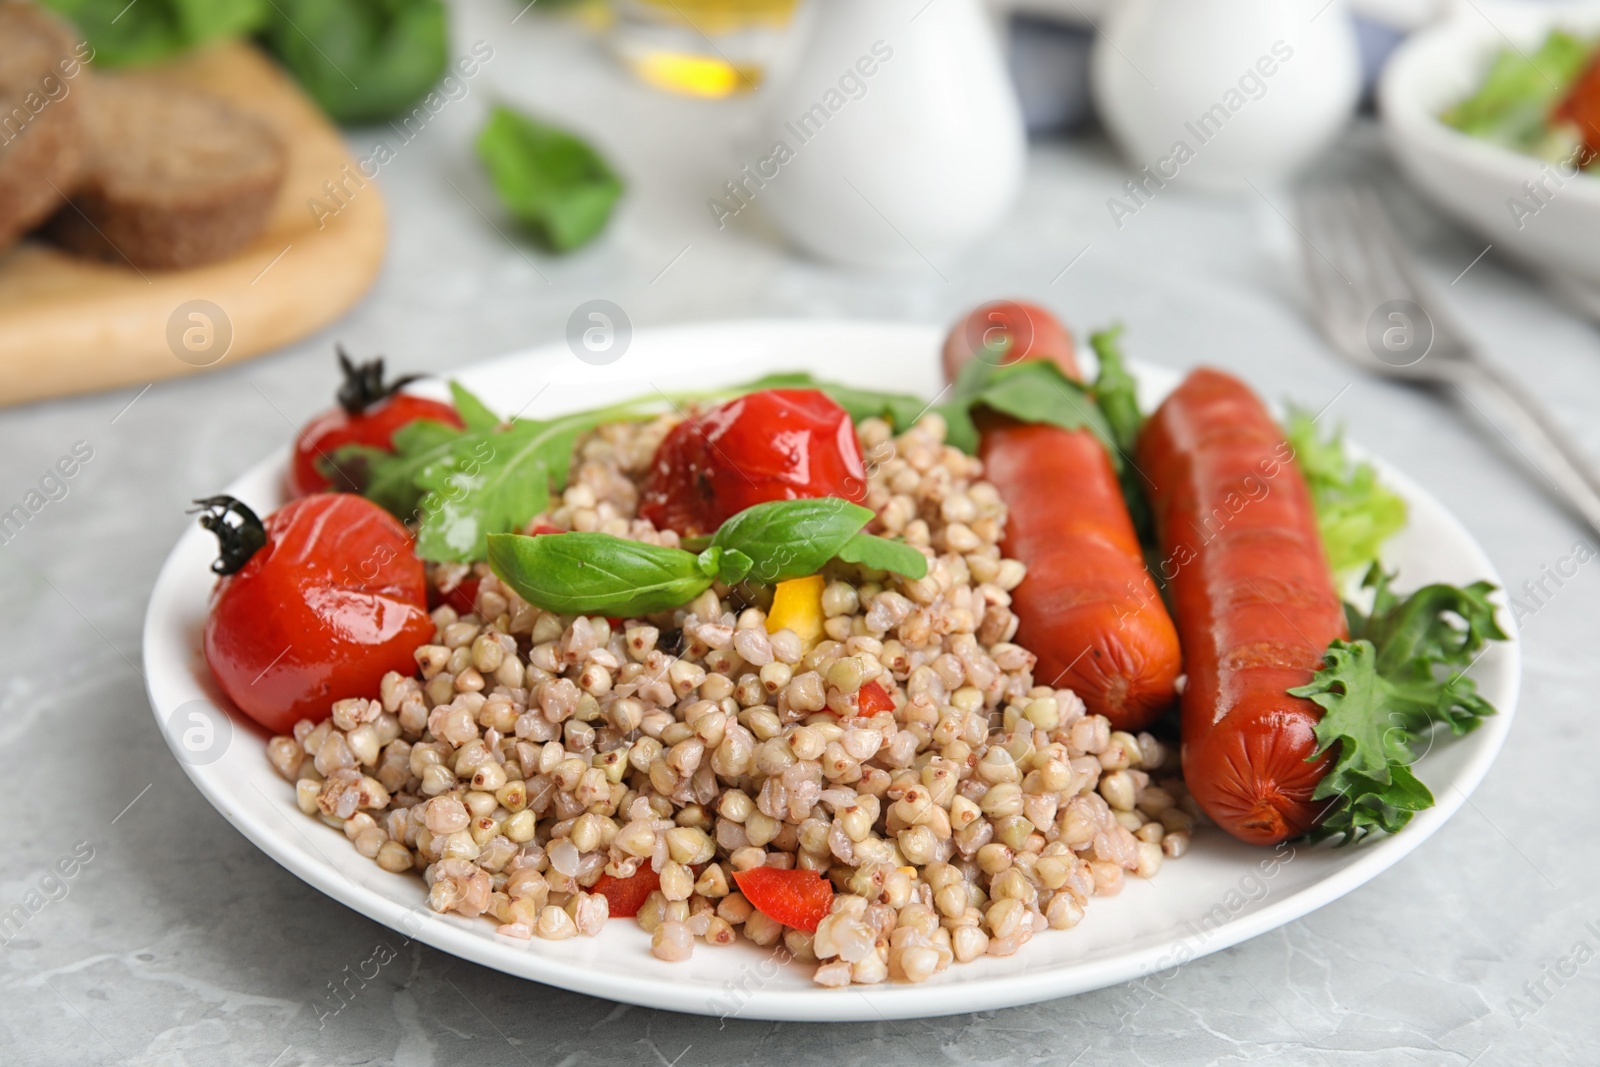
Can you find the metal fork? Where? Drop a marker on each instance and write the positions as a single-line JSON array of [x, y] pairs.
[[1378, 313]]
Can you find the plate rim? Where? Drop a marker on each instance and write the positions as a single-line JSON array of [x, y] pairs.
[[461, 938]]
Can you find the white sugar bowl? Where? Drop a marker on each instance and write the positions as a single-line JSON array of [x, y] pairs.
[[1219, 93]]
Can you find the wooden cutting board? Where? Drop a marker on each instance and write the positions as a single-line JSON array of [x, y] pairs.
[[70, 325]]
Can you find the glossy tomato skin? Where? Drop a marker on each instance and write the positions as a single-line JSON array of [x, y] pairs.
[[333, 601], [780, 444], [374, 427]]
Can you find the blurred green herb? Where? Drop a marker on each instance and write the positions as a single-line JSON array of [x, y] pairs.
[[557, 186], [125, 34], [1117, 393], [1512, 104], [361, 60]]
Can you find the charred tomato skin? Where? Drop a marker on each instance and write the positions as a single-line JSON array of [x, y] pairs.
[[778, 444], [332, 601]]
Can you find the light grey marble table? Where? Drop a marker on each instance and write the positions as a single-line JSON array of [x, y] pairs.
[[177, 942]]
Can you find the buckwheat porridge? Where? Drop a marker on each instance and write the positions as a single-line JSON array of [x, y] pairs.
[[534, 757]]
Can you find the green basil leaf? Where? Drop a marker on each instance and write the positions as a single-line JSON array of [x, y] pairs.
[[557, 186], [596, 573], [734, 567], [882, 554], [362, 60], [792, 538], [474, 412], [1037, 391]]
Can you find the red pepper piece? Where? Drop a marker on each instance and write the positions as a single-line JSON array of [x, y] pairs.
[[872, 699], [464, 597], [796, 898], [627, 895]]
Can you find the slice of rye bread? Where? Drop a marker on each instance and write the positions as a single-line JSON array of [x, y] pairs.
[[176, 178], [43, 138]]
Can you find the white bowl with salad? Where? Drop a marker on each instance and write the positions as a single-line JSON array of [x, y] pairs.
[[1495, 115]]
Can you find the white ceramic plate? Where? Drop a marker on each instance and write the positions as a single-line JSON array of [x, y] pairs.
[[1220, 894], [1474, 180]]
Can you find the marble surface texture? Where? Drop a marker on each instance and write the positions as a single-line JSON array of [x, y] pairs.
[[179, 943]]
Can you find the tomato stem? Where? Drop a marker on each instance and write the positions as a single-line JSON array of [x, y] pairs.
[[239, 539], [363, 386]]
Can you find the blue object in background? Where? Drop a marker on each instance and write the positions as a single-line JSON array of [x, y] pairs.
[[1050, 69], [1377, 41]]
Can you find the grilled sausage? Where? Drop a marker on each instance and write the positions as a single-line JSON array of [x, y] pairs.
[[1254, 602], [1088, 607]]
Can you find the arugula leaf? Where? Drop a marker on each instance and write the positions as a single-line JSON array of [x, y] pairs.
[[474, 412], [124, 34], [883, 554], [361, 60], [1401, 673], [900, 410], [557, 186], [597, 574], [1356, 514], [792, 538], [461, 485], [389, 478], [492, 482]]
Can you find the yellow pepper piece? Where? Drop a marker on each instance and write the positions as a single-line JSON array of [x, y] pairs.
[[797, 606]]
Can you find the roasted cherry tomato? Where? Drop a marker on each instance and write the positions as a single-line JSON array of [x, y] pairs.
[[797, 898], [781, 444], [627, 895], [370, 411], [315, 605]]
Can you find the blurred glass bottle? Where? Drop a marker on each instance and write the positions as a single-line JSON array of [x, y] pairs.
[[709, 48]]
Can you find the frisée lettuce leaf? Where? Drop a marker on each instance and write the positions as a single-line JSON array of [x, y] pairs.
[[1356, 513]]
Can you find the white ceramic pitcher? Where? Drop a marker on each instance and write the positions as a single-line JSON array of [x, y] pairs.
[[1252, 89], [894, 139]]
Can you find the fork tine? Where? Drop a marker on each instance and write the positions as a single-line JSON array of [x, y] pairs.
[[1334, 294], [1374, 231], [1396, 261]]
